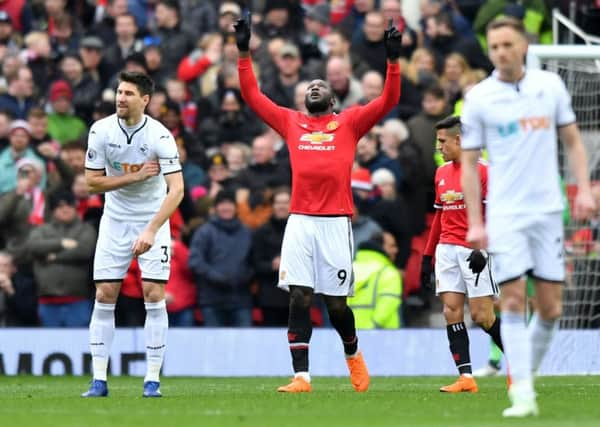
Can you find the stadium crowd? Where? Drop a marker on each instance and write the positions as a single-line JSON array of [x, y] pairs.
[[59, 65]]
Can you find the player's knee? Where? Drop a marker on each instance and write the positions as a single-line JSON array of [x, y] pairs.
[[513, 303], [453, 314], [482, 317], [550, 311], [107, 294], [335, 305], [299, 299], [153, 294]]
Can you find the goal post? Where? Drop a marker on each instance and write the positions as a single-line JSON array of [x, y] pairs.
[[579, 67]]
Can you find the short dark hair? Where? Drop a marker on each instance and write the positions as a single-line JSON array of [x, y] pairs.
[[36, 113], [76, 144], [507, 21], [142, 81], [444, 18], [435, 90], [452, 123]]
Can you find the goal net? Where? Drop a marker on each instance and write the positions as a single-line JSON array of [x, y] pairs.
[[579, 67]]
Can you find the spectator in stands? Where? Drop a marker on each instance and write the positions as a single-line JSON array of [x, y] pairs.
[[445, 40], [363, 226], [338, 44], [154, 63], [430, 8], [257, 182], [180, 291], [455, 66], [397, 144], [422, 68], [193, 174], [207, 54], [229, 13], [198, 17], [73, 154], [353, 22], [369, 155], [175, 43], [63, 35], [19, 12], [38, 57], [91, 51], [105, 28], [22, 209], [289, 72], [391, 211], [276, 20], [422, 132], [238, 158], [85, 89], [220, 260], [266, 253], [370, 46], [345, 87], [219, 175], [125, 44], [18, 98], [377, 284], [9, 37], [37, 119], [62, 251], [232, 122], [18, 301], [63, 125], [313, 45], [19, 148], [171, 117]]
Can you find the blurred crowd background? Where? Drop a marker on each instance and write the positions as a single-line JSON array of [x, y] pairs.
[[60, 61]]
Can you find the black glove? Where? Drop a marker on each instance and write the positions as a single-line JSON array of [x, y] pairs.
[[426, 270], [242, 33], [392, 38], [477, 261]]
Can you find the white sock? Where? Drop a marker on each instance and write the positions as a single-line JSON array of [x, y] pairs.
[[155, 331], [517, 348], [541, 332], [102, 331], [304, 375]]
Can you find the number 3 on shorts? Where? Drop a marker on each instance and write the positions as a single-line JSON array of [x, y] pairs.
[[165, 257]]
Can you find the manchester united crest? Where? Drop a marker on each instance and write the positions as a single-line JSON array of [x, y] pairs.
[[332, 125]]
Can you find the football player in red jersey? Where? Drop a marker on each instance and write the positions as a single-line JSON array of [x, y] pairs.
[[460, 271], [316, 254]]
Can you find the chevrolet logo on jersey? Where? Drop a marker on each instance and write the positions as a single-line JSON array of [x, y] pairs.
[[451, 196], [317, 137]]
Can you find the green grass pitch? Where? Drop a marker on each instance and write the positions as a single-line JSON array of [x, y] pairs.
[[402, 401]]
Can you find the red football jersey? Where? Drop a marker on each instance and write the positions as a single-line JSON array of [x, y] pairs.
[[322, 148], [450, 200]]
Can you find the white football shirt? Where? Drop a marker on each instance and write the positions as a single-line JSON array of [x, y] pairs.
[[119, 150], [517, 124]]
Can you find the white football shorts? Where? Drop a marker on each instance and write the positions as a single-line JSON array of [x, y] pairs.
[[317, 252], [114, 251], [452, 273], [528, 244]]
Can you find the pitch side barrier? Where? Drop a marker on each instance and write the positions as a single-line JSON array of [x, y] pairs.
[[227, 352]]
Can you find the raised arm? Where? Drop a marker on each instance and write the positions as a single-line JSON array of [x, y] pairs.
[[369, 115], [272, 114]]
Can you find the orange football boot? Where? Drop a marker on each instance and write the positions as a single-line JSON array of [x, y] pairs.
[[462, 384], [359, 375], [298, 385]]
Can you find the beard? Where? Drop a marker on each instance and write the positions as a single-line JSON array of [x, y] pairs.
[[316, 106]]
